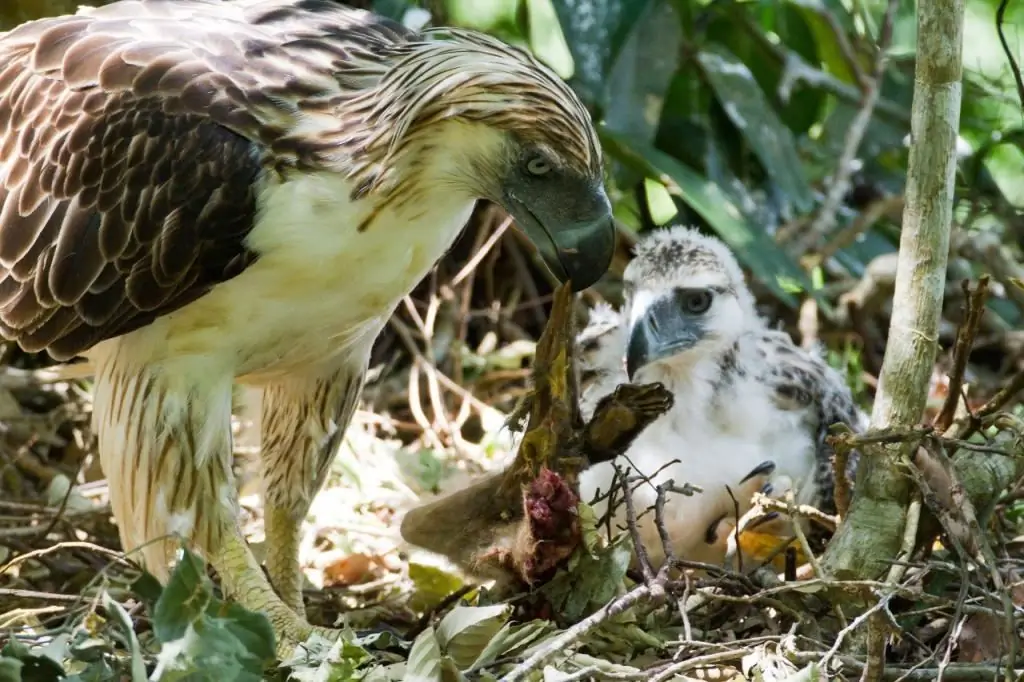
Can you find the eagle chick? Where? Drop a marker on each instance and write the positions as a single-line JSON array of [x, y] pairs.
[[751, 408]]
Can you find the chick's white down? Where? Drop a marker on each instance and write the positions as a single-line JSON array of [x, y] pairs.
[[744, 395]]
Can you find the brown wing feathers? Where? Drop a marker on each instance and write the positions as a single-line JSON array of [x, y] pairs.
[[114, 211], [117, 204], [130, 141]]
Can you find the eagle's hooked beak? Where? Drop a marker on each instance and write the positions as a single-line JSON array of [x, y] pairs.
[[661, 329], [576, 245]]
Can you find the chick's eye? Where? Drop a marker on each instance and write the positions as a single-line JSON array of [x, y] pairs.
[[537, 165], [697, 302]]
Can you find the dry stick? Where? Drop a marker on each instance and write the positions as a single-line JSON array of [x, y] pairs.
[[965, 335], [634, 532], [840, 182]]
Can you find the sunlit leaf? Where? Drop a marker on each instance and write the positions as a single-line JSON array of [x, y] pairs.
[[432, 585], [465, 631], [510, 640]]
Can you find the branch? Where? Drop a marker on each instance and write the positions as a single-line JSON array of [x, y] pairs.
[[840, 183], [1014, 67], [872, 533]]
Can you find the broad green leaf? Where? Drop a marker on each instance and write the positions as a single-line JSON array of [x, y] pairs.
[[252, 629], [592, 537], [32, 667], [341, 663], [748, 108], [432, 585], [148, 589], [208, 644], [510, 640], [424, 664], [590, 582], [640, 78], [465, 631], [818, 18], [766, 260], [183, 600], [595, 31], [734, 28]]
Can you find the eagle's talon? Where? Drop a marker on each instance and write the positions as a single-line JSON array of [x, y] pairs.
[[719, 528], [767, 518], [763, 469]]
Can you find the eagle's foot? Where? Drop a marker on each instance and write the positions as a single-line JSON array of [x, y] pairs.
[[244, 581], [760, 534], [293, 634], [282, 560]]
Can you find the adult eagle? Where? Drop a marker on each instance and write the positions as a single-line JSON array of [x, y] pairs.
[[196, 192], [751, 408]]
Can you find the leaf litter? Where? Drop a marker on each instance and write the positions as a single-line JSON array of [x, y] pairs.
[[72, 607]]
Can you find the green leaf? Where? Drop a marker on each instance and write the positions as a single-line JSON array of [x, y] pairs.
[[424, 663], [432, 586], [183, 600], [29, 666], [640, 77], [208, 644], [749, 110], [759, 252], [148, 589], [591, 582], [342, 663], [252, 629], [511, 639], [10, 670], [595, 31], [465, 631]]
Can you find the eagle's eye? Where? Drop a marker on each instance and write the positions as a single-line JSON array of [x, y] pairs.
[[696, 302], [537, 166]]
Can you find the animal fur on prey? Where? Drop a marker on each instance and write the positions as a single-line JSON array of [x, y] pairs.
[[751, 408], [198, 192]]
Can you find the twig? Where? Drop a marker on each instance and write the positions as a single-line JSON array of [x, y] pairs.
[[631, 522], [840, 182], [965, 335], [425, 619], [561, 644], [1014, 67]]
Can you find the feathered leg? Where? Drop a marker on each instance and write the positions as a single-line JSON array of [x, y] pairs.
[[303, 419], [165, 447]]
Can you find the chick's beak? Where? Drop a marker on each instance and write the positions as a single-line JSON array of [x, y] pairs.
[[661, 331]]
